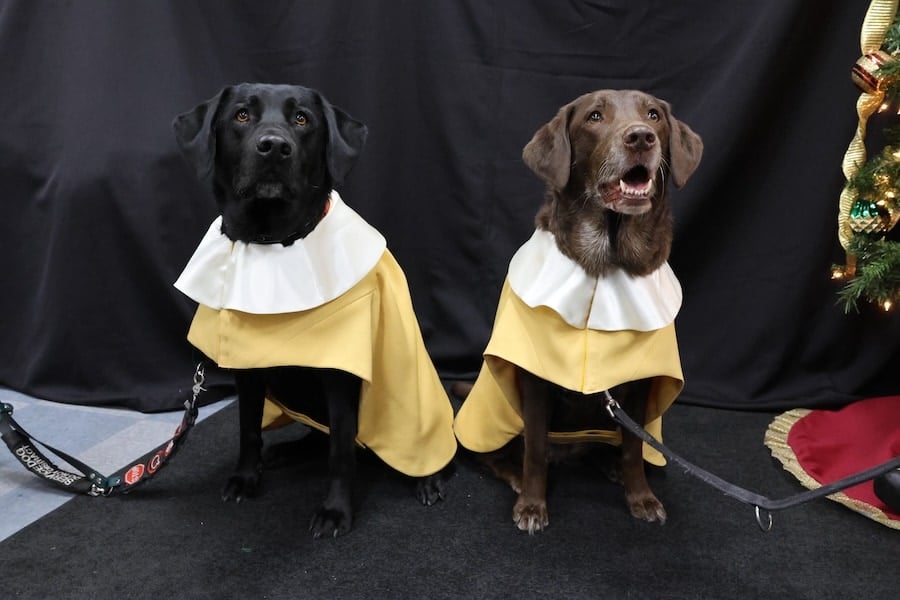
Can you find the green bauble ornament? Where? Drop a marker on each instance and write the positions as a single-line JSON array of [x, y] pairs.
[[867, 216]]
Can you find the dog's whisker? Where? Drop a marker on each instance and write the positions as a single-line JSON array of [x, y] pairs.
[[663, 171]]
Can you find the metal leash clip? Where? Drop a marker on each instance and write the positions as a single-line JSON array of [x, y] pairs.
[[100, 485], [611, 404], [199, 379]]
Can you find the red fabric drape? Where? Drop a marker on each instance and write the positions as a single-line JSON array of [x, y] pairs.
[[830, 445]]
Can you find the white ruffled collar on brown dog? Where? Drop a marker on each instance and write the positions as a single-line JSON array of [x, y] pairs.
[[541, 275]]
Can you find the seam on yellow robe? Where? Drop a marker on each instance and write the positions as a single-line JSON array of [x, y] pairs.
[[581, 360], [370, 331]]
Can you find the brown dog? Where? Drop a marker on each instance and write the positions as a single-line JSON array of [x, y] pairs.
[[589, 302]]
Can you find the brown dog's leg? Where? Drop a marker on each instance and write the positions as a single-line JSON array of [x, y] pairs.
[[530, 511], [335, 516], [251, 391], [506, 463], [642, 503]]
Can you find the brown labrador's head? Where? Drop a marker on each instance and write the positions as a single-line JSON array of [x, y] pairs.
[[273, 153], [616, 146]]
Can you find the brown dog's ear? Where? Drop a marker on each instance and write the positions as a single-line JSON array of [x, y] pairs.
[[549, 153], [685, 148], [194, 132], [346, 138]]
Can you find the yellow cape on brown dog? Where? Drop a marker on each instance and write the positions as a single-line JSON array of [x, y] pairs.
[[578, 358]]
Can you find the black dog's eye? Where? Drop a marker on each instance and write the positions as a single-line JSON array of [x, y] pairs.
[[653, 114], [596, 116], [242, 115], [300, 119]]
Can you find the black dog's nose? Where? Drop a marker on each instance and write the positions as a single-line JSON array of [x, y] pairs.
[[639, 137], [273, 144]]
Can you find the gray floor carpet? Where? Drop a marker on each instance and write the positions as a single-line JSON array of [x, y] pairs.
[[174, 538]]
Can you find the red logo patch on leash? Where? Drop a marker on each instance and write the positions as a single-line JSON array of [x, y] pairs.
[[134, 474], [154, 463]]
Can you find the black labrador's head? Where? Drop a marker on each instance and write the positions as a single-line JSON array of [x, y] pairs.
[[273, 153]]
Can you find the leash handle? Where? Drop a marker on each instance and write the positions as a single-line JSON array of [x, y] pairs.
[[21, 444], [743, 495], [90, 481]]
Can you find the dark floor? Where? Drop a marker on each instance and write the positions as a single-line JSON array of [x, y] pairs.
[[175, 538]]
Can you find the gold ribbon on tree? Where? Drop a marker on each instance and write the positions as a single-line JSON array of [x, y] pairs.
[[878, 20]]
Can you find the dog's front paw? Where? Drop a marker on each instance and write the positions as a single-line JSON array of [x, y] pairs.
[[240, 486], [432, 489], [330, 522], [530, 516], [647, 507]]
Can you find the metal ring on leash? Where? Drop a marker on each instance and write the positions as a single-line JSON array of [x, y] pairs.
[[768, 526]]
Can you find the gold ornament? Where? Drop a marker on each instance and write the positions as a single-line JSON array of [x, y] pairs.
[[864, 72], [878, 20]]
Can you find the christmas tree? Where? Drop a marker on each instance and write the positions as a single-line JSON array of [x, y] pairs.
[[870, 202]]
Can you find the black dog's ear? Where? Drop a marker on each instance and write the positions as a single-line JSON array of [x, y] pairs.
[[194, 132], [549, 153], [346, 138], [685, 148]]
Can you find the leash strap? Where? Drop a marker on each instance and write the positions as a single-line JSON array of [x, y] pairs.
[[88, 480], [758, 501]]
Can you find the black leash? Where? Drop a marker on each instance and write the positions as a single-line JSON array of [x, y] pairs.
[[759, 502], [89, 480]]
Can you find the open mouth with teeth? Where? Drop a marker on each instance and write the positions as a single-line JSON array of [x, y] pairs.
[[632, 193]]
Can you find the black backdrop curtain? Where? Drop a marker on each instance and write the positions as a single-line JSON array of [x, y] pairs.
[[98, 212]]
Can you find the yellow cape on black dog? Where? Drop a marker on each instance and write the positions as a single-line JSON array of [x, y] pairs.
[[370, 331], [338, 300]]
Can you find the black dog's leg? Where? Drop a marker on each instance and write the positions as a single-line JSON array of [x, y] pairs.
[[642, 503], [251, 396], [430, 489], [335, 516], [530, 511]]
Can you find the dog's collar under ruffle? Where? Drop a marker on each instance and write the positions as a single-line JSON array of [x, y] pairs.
[[274, 279], [541, 275]]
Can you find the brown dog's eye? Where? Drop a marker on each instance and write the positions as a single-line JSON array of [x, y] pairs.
[[653, 114], [300, 119], [242, 116], [595, 116]]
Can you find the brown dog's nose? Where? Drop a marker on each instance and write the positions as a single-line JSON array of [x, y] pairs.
[[273, 144], [639, 137]]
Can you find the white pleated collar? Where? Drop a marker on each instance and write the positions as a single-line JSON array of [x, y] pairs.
[[541, 275], [273, 279]]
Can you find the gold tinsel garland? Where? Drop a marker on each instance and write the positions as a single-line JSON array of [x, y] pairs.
[[878, 19]]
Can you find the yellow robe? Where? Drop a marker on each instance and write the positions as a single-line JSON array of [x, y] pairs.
[[370, 331], [578, 359]]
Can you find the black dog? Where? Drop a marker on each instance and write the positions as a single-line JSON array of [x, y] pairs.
[[274, 153]]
